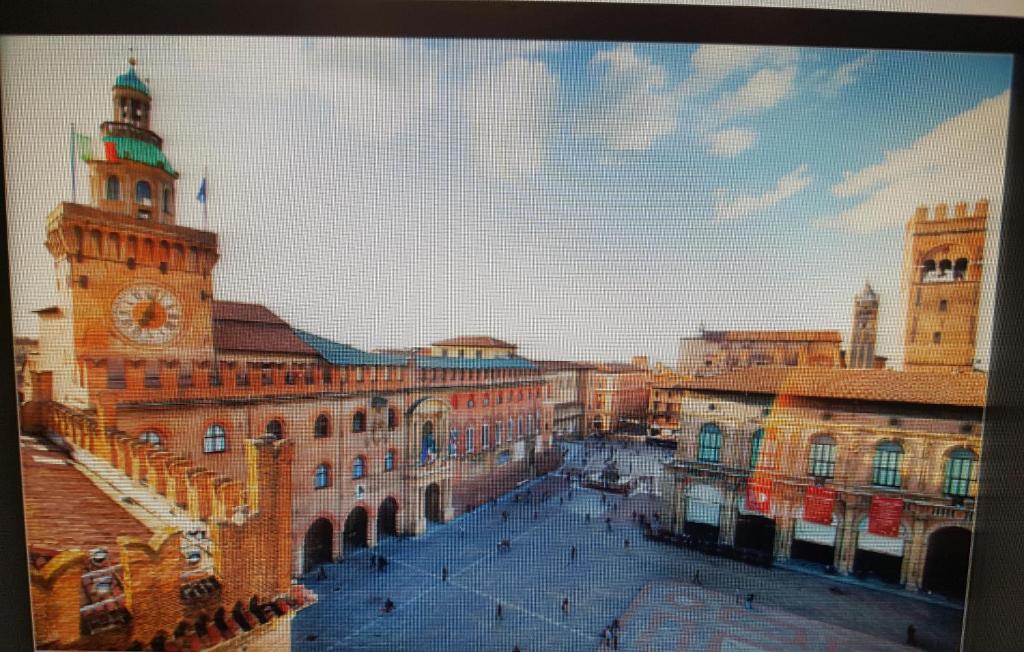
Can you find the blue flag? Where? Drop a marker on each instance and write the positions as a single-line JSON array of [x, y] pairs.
[[201, 195]]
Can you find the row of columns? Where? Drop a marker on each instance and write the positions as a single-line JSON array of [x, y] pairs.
[[915, 546]]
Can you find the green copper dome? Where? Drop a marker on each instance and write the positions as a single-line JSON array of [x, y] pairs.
[[132, 81]]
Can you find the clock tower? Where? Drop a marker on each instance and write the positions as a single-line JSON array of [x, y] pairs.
[[134, 287]]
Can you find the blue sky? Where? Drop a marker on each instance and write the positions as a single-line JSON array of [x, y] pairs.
[[585, 200]]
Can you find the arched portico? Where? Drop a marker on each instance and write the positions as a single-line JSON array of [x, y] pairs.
[[318, 545], [947, 560]]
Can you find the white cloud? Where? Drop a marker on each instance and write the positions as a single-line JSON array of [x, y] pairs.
[[830, 82], [729, 207], [763, 90], [632, 106], [512, 116], [731, 142], [712, 64], [962, 159]]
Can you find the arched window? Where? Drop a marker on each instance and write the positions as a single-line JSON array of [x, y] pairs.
[[755, 447], [389, 461], [960, 269], [359, 422], [150, 437], [822, 461], [888, 460], [167, 200], [113, 188], [143, 193], [275, 429], [928, 271], [943, 305], [961, 465], [322, 426], [709, 443], [392, 419], [322, 477], [359, 467], [215, 440]]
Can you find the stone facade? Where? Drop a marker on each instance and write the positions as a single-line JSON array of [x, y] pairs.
[[943, 265], [713, 352]]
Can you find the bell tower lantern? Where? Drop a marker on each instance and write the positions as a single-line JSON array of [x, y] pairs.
[[131, 98]]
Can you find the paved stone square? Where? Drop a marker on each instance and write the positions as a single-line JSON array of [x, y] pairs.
[[645, 585]]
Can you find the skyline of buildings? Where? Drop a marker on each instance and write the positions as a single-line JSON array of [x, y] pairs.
[[617, 243]]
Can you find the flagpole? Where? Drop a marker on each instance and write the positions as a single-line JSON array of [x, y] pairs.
[[74, 193], [205, 196]]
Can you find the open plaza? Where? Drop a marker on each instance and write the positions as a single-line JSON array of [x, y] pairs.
[[648, 587]]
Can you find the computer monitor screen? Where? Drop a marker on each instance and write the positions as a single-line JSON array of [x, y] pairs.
[[394, 343]]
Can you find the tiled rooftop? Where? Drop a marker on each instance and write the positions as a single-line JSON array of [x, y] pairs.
[[888, 385], [64, 509], [253, 328], [773, 336], [475, 340]]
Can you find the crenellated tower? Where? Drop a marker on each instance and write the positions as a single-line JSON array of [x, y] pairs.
[[943, 264], [134, 287]]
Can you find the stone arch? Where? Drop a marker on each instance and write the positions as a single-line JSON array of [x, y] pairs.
[[432, 505], [947, 560], [357, 528], [318, 543], [387, 517]]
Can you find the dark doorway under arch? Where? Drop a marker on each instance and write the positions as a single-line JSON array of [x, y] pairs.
[[317, 547], [432, 503], [387, 518], [755, 533], [868, 563], [816, 553], [945, 566], [355, 529]]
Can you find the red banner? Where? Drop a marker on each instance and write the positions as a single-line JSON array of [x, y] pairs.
[[884, 516], [819, 502], [759, 495]]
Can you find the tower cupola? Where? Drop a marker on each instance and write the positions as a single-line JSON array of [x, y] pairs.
[[131, 98]]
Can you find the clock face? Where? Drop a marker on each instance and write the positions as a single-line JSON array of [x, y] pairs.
[[147, 314]]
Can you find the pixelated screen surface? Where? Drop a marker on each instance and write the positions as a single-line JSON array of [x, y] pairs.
[[427, 344]]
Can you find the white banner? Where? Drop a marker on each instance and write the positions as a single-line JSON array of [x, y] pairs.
[[824, 535], [700, 511], [892, 546], [519, 450]]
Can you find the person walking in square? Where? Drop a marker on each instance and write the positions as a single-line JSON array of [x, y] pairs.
[[572, 554], [444, 573], [497, 612], [750, 601], [911, 635], [565, 605], [320, 575], [626, 544]]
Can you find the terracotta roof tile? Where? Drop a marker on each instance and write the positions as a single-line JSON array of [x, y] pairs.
[[64, 509], [475, 340], [888, 385], [252, 312], [258, 337], [774, 336]]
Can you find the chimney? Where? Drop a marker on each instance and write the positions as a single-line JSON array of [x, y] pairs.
[[961, 210], [941, 211]]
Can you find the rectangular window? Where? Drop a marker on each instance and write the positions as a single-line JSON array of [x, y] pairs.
[[469, 439], [151, 380], [484, 437], [185, 375], [215, 379], [242, 379], [823, 460], [267, 376], [959, 472], [887, 467], [359, 374], [115, 374]]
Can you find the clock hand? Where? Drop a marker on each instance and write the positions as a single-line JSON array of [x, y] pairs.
[[148, 314]]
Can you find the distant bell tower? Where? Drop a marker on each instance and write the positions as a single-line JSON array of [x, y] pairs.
[[943, 264], [865, 329]]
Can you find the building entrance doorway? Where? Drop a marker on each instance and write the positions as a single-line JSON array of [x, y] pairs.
[[387, 518], [355, 529], [318, 544], [432, 503], [945, 566], [879, 556], [756, 533]]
